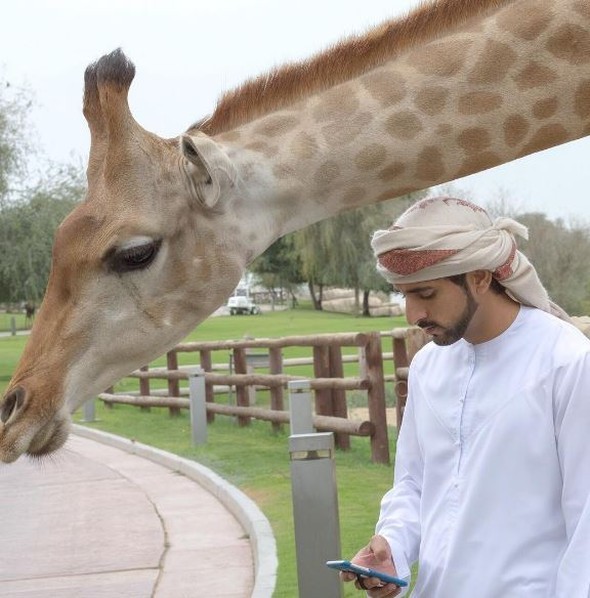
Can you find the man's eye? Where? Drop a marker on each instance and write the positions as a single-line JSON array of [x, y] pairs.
[[427, 295], [138, 257]]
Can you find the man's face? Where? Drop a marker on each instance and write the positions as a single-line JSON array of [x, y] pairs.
[[442, 308]]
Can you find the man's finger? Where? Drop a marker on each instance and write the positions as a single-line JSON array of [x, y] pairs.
[[380, 548], [347, 576]]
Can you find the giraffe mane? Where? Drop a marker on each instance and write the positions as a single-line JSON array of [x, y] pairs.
[[341, 62]]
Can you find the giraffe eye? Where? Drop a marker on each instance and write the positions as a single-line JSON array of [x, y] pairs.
[[137, 257]]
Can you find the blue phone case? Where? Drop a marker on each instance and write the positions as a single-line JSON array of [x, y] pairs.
[[366, 572]]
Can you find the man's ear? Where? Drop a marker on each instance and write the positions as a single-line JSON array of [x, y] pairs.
[[208, 169], [481, 280]]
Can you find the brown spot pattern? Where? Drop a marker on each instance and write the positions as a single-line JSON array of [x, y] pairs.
[[430, 167], [336, 104], [474, 139], [545, 137], [403, 125], [444, 58], [326, 174], [303, 146], [392, 171], [526, 20], [545, 108], [515, 129], [432, 100], [570, 43], [283, 171], [479, 102], [534, 74], [582, 100], [385, 86], [263, 148], [477, 163], [371, 157], [493, 64], [395, 192], [230, 136], [275, 125], [340, 133], [354, 196]]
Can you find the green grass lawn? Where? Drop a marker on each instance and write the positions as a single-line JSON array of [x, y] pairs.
[[264, 473], [10, 349], [5, 321]]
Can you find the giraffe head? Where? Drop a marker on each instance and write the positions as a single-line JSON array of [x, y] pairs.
[[142, 260]]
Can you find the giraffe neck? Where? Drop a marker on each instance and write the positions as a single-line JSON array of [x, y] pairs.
[[511, 82]]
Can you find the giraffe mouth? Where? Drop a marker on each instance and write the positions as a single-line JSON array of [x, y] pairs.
[[50, 437], [20, 437]]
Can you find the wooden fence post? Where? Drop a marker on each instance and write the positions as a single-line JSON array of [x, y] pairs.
[[206, 366], [144, 386], [242, 396], [339, 408], [376, 398], [416, 338], [321, 369], [111, 390], [275, 362], [400, 360]]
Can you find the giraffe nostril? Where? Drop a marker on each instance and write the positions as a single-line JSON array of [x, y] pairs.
[[13, 403]]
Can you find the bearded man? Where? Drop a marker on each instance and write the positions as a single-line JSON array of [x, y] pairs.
[[491, 493]]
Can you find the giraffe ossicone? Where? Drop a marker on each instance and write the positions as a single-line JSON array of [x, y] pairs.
[[454, 88]]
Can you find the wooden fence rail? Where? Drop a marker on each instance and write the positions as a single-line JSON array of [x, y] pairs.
[[320, 422], [329, 384]]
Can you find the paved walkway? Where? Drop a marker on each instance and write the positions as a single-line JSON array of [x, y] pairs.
[[98, 522]]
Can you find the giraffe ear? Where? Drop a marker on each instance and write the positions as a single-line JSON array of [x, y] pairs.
[[208, 169]]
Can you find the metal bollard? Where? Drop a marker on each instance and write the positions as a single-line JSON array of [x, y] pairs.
[[12, 326], [89, 411], [198, 406], [301, 412], [315, 513]]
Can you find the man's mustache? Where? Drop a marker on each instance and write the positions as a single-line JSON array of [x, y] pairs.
[[427, 324]]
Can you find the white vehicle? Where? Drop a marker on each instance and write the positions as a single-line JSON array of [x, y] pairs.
[[240, 303]]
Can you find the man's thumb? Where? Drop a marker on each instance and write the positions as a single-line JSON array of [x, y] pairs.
[[380, 548]]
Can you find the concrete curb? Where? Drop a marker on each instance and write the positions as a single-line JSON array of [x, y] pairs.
[[243, 508]]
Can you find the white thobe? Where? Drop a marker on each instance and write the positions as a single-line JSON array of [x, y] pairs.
[[491, 490]]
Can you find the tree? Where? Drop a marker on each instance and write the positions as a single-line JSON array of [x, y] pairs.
[[279, 267], [561, 256], [14, 147], [29, 212], [309, 243], [27, 228], [337, 251]]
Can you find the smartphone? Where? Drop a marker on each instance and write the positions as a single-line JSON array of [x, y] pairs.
[[366, 572]]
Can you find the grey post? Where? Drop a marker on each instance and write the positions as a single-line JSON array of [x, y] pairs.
[[89, 412], [12, 326], [198, 406], [315, 513], [301, 413]]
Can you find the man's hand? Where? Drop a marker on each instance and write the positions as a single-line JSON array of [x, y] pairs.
[[376, 555]]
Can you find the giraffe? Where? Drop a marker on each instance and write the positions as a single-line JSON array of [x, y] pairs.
[[169, 225]]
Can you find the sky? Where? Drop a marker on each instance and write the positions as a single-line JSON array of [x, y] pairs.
[[188, 52]]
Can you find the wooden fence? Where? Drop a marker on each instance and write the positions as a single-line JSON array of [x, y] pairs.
[[329, 384]]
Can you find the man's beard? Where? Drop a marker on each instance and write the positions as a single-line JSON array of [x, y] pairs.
[[457, 330]]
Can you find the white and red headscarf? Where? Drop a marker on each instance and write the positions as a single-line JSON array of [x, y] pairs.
[[443, 236]]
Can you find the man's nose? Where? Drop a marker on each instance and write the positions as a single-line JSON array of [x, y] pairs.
[[414, 311]]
